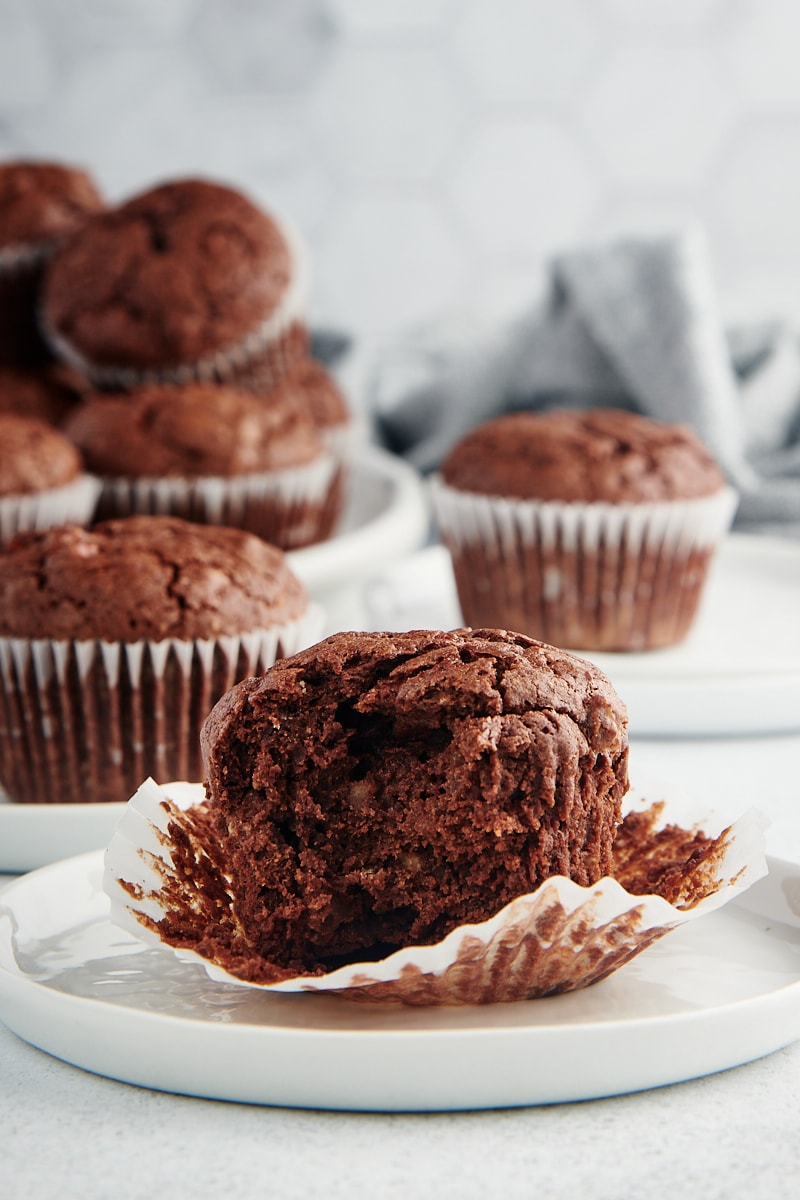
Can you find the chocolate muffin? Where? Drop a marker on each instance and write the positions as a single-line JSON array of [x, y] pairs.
[[190, 279], [379, 790], [42, 481], [115, 642], [46, 392], [593, 530], [311, 387], [40, 204], [210, 453]]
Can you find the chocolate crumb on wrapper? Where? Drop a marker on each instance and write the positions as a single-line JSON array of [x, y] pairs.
[[424, 817]]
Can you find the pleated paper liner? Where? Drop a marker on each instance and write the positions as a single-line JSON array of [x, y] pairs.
[[72, 503], [167, 883], [286, 507], [589, 576], [267, 351], [86, 720]]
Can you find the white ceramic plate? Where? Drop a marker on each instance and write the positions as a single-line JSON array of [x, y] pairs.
[[32, 835], [719, 992], [737, 672], [386, 516]]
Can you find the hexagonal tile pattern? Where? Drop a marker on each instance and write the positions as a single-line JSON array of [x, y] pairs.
[[25, 69], [524, 188], [757, 193], [518, 50], [360, 18], [663, 13], [658, 113], [388, 113], [269, 46], [388, 264], [761, 48]]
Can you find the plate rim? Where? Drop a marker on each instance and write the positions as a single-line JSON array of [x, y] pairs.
[[16, 988]]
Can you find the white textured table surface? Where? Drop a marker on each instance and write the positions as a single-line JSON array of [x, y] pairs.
[[69, 1134]]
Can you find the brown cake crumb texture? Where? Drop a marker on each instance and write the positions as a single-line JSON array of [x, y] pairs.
[[596, 455], [380, 790], [48, 393], [144, 578], [178, 273], [194, 430], [41, 202], [34, 456]]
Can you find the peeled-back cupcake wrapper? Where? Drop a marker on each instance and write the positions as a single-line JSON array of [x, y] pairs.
[[72, 503], [559, 938], [85, 720], [632, 573], [282, 506], [275, 333]]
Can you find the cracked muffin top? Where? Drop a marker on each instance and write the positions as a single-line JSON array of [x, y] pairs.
[[41, 202], [595, 455], [144, 577], [194, 430], [379, 789], [174, 276], [34, 456]]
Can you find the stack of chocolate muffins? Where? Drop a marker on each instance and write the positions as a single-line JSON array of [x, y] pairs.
[[156, 386]]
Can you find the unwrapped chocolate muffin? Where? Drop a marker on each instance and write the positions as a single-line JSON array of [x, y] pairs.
[[187, 280], [211, 453], [425, 817], [115, 643], [593, 530], [40, 204]]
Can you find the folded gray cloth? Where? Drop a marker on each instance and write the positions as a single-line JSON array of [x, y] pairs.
[[634, 324]]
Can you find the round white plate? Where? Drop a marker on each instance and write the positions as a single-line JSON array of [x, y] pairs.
[[716, 993], [737, 672], [386, 516], [32, 835]]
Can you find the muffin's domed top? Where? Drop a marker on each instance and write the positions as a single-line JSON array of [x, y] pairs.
[[42, 202], [198, 429], [172, 277], [597, 455], [144, 577], [34, 456]]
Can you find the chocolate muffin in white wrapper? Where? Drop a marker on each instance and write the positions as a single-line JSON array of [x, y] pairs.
[[557, 939], [429, 817], [116, 641], [71, 503], [286, 507]]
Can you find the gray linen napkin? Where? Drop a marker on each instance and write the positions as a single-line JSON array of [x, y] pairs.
[[633, 324]]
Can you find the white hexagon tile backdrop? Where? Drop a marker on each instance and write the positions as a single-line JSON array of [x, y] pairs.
[[434, 153]]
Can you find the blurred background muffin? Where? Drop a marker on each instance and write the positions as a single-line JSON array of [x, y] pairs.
[[186, 280], [42, 480], [593, 530], [48, 391], [115, 642], [211, 453], [40, 204]]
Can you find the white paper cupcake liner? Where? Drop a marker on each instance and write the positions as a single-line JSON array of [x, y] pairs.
[[600, 576], [86, 720], [284, 507], [276, 334], [73, 503], [559, 938], [24, 257]]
